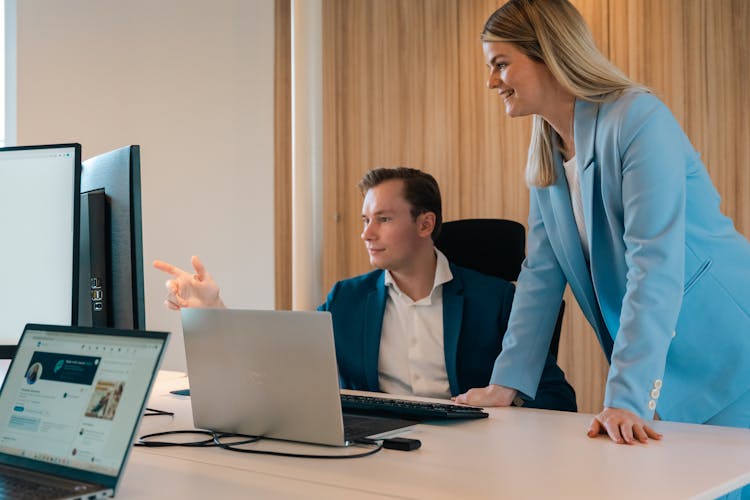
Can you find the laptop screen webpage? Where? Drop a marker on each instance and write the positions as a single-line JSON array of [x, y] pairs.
[[73, 399]]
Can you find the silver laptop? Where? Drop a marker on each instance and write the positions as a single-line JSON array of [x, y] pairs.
[[70, 405], [270, 374]]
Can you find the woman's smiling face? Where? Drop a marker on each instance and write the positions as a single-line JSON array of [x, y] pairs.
[[522, 82]]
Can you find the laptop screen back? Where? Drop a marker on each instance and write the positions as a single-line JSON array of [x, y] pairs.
[[264, 373], [73, 397]]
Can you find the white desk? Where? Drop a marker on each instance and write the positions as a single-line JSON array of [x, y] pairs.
[[515, 453]]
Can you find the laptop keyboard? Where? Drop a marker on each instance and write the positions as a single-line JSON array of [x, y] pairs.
[[17, 488], [411, 410]]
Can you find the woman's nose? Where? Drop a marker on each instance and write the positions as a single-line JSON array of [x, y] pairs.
[[492, 80]]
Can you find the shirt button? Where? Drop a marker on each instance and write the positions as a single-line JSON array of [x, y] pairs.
[[657, 384], [674, 334], [655, 393], [652, 405]]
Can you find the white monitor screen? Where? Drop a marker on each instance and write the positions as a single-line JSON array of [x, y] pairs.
[[38, 195]]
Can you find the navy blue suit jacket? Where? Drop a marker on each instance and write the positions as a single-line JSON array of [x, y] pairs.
[[476, 308]]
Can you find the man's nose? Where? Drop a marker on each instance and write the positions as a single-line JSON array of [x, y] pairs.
[[366, 232]]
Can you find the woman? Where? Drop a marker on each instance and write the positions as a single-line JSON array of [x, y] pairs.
[[622, 210]]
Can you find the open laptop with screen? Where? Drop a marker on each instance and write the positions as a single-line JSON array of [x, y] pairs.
[[270, 374], [70, 405]]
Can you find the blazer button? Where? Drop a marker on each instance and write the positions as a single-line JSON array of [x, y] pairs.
[[657, 384], [652, 405], [655, 393]]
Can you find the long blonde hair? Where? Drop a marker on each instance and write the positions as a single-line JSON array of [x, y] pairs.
[[554, 33]]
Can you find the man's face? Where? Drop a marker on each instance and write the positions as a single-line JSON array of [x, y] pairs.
[[390, 233]]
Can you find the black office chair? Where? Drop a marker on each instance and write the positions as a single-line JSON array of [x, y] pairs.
[[491, 246]]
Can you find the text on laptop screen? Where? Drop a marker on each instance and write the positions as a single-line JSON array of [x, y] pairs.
[[71, 398]]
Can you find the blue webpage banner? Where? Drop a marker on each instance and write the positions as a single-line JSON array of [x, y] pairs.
[[57, 367]]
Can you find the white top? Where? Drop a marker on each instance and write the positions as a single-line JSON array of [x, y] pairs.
[[412, 356], [571, 173]]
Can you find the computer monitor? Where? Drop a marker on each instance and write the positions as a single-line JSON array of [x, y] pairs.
[[39, 224], [114, 296]]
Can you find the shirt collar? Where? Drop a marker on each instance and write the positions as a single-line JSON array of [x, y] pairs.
[[443, 273]]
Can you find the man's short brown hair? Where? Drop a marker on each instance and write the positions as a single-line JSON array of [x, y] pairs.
[[421, 190]]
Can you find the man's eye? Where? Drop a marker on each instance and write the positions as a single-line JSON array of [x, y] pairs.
[[385, 219]]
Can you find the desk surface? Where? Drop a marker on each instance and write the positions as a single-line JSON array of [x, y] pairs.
[[515, 453]]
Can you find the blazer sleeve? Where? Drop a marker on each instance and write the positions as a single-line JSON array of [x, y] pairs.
[[328, 306], [535, 307], [652, 149]]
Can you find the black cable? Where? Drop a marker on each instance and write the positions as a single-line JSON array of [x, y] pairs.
[[232, 447], [146, 440], [150, 412], [215, 439]]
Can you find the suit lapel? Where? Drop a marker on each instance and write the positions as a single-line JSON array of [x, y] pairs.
[[453, 307], [373, 324], [584, 131], [565, 241], [564, 238]]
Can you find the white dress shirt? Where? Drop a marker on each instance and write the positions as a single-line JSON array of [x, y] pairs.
[[412, 356], [571, 174]]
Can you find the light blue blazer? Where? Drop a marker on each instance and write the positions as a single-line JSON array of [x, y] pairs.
[[667, 283]]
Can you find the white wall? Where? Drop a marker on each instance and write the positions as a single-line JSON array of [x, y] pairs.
[[191, 81]]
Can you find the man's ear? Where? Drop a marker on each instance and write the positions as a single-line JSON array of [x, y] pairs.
[[426, 224]]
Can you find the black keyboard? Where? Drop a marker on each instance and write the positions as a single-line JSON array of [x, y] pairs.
[[410, 410]]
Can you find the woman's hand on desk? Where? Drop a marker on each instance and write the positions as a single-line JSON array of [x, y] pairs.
[[189, 290], [492, 395], [622, 426]]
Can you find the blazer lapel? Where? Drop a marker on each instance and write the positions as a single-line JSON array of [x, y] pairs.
[[453, 307], [568, 247], [584, 131], [564, 238], [373, 324]]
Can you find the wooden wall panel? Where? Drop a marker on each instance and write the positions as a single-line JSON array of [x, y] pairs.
[[493, 147], [726, 122], [404, 85], [390, 80], [282, 137]]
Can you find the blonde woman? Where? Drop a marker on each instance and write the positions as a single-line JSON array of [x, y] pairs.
[[622, 210]]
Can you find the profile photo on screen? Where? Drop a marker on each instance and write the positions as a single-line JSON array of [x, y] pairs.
[[33, 373]]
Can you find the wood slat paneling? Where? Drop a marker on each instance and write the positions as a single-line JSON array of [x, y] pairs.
[[390, 98], [492, 146], [283, 154]]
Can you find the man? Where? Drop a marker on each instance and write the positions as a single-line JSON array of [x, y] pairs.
[[417, 324]]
